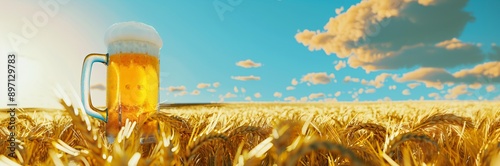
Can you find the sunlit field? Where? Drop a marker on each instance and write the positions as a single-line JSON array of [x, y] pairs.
[[384, 133]]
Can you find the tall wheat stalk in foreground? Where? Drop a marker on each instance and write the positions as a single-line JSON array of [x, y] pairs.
[[272, 134]]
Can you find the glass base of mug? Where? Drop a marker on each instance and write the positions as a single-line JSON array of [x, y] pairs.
[[143, 140]]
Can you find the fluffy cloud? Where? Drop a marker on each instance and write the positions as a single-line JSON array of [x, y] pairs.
[[294, 82], [394, 34], [290, 88], [385, 99], [211, 90], [216, 84], [475, 86], [339, 10], [277, 94], [337, 94], [248, 64], [413, 85], [370, 91], [248, 98], [290, 98], [436, 96], [176, 88], [379, 80], [392, 87], [361, 90], [229, 95], [303, 99], [351, 79], [235, 89], [243, 90], [245, 78], [313, 96], [436, 77], [98, 87], [317, 78], [406, 92], [340, 65], [202, 85], [257, 95], [490, 88], [456, 91], [195, 92]]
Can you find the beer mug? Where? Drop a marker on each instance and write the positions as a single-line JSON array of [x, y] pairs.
[[133, 67]]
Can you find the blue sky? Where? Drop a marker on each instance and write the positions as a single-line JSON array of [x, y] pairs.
[[203, 46]]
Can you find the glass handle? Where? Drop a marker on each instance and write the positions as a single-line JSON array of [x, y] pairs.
[[85, 86]]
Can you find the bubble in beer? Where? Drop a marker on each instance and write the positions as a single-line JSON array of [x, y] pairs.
[[133, 37]]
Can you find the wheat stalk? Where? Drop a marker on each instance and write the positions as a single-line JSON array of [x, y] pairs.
[[444, 119], [325, 145], [379, 131]]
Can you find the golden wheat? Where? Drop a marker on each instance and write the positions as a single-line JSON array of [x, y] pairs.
[[268, 134]]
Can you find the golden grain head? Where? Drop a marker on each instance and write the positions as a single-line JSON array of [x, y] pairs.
[[417, 133]]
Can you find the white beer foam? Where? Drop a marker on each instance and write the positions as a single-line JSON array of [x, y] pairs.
[[133, 37]]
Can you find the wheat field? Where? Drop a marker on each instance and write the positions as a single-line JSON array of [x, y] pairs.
[[379, 133]]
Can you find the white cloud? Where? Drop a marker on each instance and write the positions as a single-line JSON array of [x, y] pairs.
[[340, 65], [257, 95], [216, 84], [317, 78], [290, 88], [313, 96], [246, 78], [195, 92], [243, 90], [436, 77], [235, 89], [360, 91], [176, 88], [436, 96], [277, 94], [490, 88], [456, 91], [475, 86], [303, 99], [339, 10], [338, 93], [392, 87], [395, 34], [248, 98], [406, 92], [294, 82], [370, 91], [290, 98], [413, 85], [386, 99], [229, 95], [350, 79], [248, 64], [211, 90], [379, 80], [202, 85]]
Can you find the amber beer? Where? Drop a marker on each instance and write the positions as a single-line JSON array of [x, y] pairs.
[[133, 67], [132, 90]]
